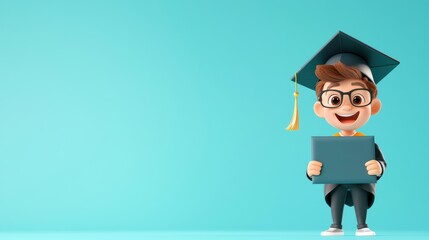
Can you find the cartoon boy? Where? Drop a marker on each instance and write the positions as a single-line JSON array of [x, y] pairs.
[[347, 99], [346, 91]]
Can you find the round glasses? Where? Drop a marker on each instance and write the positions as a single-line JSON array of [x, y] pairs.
[[359, 97]]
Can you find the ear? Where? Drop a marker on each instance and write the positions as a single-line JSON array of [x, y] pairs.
[[318, 109], [375, 106]]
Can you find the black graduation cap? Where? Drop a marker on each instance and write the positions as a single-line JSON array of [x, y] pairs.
[[374, 64]]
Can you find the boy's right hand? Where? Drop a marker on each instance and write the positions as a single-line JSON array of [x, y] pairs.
[[314, 168]]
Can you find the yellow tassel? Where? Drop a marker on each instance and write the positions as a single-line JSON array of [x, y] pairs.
[[294, 123]]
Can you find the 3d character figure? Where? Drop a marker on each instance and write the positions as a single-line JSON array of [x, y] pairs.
[[344, 75], [347, 99]]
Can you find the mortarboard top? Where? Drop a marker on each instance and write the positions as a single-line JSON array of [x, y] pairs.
[[372, 63]]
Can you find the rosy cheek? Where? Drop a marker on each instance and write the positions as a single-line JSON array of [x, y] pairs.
[[330, 116], [365, 112], [366, 115]]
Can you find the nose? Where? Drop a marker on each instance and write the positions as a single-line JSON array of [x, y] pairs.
[[347, 108], [346, 105]]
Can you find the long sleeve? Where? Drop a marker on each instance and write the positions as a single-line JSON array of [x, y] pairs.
[[380, 158]]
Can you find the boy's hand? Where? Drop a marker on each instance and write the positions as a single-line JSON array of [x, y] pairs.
[[373, 167], [314, 168]]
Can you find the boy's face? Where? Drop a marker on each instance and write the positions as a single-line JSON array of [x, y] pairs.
[[343, 114]]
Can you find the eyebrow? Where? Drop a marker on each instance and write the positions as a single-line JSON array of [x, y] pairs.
[[331, 85], [358, 84]]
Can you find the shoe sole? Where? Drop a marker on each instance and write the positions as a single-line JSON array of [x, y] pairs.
[[331, 234]]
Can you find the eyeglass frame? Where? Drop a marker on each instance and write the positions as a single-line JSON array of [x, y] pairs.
[[319, 98]]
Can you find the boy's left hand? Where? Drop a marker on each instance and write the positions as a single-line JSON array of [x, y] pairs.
[[373, 167]]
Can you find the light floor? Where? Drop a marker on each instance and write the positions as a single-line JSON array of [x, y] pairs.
[[201, 235]]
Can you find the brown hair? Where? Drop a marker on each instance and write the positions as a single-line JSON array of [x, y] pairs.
[[338, 72]]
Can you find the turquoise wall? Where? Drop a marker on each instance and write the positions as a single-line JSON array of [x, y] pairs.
[[170, 115]]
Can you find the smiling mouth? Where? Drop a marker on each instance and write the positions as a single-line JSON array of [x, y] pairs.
[[347, 118]]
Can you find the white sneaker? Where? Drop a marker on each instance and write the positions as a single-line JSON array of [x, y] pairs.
[[332, 232], [364, 232]]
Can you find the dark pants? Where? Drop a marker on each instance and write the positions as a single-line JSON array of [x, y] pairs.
[[360, 201]]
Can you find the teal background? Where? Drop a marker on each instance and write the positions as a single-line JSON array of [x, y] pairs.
[[170, 115]]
